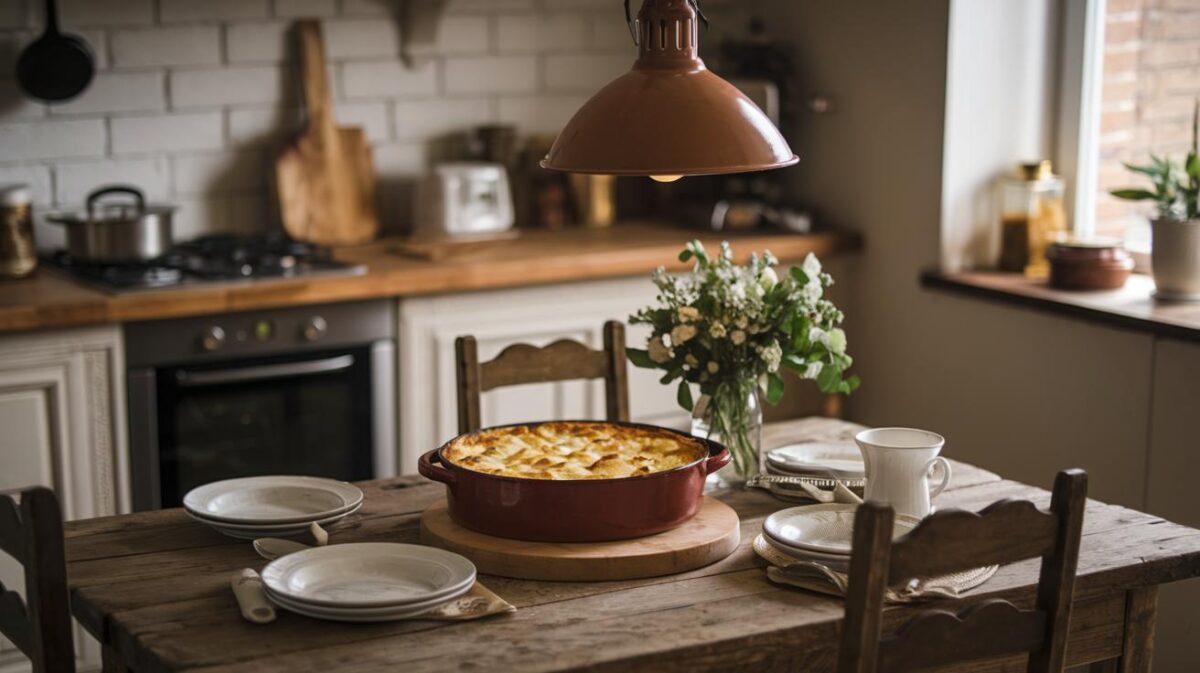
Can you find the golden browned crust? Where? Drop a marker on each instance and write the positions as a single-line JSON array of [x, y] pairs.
[[573, 450]]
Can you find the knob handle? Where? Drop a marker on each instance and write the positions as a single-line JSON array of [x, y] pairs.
[[212, 338], [314, 328]]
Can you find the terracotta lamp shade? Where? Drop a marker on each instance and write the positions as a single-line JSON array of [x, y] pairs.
[[669, 115]]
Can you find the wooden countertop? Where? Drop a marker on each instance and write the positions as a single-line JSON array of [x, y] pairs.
[[1131, 307], [51, 299]]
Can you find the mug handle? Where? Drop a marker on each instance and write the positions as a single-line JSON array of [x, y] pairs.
[[946, 472]]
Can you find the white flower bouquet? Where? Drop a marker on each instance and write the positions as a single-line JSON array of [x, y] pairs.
[[730, 330]]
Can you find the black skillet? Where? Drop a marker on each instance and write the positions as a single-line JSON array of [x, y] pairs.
[[57, 66]]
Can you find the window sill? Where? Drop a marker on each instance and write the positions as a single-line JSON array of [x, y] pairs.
[[1132, 307]]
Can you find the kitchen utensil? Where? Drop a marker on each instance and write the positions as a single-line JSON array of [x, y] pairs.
[[792, 486], [272, 548], [368, 575], [251, 598], [706, 538], [827, 529], [116, 231], [272, 500], [18, 256], [842, 460], [251, 531], [464, 198], [325, 178], [575, 510], [57, 66], [1093, 264], [899, 462]]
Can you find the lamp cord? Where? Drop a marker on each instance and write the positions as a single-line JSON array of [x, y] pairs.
[[633, 31]]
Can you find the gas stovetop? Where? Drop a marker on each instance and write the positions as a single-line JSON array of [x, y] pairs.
[[210, 260]]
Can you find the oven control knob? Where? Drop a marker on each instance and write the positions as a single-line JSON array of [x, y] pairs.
[[212, 338], [314, 328]]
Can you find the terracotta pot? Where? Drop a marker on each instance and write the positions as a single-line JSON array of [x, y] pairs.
[[1175, 259], [574, 510]]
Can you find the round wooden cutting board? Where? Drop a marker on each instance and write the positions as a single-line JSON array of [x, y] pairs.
[[707, 538]]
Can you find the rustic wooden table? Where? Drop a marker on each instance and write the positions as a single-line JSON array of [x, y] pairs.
[[154, 588]]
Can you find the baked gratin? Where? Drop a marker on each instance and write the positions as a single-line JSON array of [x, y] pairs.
[[573, 450]]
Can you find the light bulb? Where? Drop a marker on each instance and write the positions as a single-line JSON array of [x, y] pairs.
[[665, 178]]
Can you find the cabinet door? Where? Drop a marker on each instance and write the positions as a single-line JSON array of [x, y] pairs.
[[61, 407], [539, 315]]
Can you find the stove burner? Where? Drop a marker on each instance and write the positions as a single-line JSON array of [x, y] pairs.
[[217, 258]]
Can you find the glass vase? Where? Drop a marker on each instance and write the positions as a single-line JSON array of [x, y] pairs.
[[732, 416]]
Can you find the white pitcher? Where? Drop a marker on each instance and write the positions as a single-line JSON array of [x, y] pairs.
[[899, 462]]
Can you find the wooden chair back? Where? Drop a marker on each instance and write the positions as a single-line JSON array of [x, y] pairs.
[[40, 626], [563, 360], [953, 541]]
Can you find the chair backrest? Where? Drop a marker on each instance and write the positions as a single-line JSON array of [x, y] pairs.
[[955, 540], [562, 360], [40, 626]]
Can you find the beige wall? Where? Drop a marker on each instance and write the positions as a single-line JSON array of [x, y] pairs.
[[1022, 392]]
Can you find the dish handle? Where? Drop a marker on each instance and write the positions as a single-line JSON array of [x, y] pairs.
[[429, 465], [715, 460]]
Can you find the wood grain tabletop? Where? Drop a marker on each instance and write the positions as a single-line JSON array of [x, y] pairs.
[[155, 586]]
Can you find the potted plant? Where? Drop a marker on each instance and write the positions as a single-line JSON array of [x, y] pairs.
[[1175, 232], [731, 330]]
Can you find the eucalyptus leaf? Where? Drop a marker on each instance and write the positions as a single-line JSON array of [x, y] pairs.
[[683, 395], [774, 388], [640, 358]]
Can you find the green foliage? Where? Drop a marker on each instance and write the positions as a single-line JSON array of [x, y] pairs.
[[1176, 190]]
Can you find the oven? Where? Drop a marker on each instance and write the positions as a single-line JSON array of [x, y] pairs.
[[303, 390]]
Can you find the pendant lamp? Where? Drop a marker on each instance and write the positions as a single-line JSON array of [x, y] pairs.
[[669, 116]]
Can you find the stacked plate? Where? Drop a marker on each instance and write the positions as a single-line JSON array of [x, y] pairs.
[[367, 581], [821, 533], [820, 461], [253, 507]]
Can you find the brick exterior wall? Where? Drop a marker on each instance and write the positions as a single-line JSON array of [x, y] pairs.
[[1151, 78], [192, 97]]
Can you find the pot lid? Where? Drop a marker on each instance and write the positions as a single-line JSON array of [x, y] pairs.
[[99, 210]]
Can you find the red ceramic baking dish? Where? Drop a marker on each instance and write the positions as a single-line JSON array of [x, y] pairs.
[[574, 510]]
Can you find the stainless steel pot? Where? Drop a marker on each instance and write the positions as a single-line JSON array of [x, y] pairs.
[[117, 231]]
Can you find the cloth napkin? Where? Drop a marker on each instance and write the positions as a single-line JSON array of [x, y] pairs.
[[478, 602], [813, 576]]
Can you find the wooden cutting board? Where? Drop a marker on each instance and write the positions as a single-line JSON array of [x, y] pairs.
[[709, 537], [325, 178]]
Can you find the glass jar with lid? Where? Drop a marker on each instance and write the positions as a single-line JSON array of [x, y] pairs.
[[1032, 217]]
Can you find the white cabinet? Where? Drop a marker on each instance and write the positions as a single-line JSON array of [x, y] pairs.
[[62, 425], [537, 315]]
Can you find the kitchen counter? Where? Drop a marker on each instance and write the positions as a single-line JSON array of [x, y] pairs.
[[52, 299]]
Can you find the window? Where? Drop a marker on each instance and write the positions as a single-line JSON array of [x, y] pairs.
[[1131, 74]]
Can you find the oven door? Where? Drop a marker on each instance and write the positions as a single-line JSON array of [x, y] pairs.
[[308, 414]]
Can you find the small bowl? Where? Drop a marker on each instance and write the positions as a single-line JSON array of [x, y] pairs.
[[1093, 264]]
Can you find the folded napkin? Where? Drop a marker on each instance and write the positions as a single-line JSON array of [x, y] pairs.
[[478, 602]]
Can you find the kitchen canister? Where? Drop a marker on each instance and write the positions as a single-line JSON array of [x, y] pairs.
[[18, 256]]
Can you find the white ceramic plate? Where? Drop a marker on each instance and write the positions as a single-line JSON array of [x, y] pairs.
[[836, 562], [271, 500], [249, 532], [367, 574], [839, 459], [366, 614], [826, 529]]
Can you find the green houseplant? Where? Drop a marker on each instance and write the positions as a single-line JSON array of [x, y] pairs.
[[1175, 231], [730, 331]]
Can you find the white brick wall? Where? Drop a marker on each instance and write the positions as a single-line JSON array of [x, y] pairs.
[[193, 98]]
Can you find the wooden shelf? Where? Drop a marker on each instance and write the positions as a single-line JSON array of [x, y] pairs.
[[1132, 307]]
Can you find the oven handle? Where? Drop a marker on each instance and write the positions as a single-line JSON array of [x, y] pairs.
[[188, 379]]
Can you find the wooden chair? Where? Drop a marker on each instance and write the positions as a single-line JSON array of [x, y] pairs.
[[562, 360], [952, 541], [40, 626]]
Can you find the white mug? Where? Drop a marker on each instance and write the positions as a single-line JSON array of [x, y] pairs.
[[898, 463]]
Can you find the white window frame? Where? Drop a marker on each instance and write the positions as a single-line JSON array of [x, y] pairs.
[[1081, 81]]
